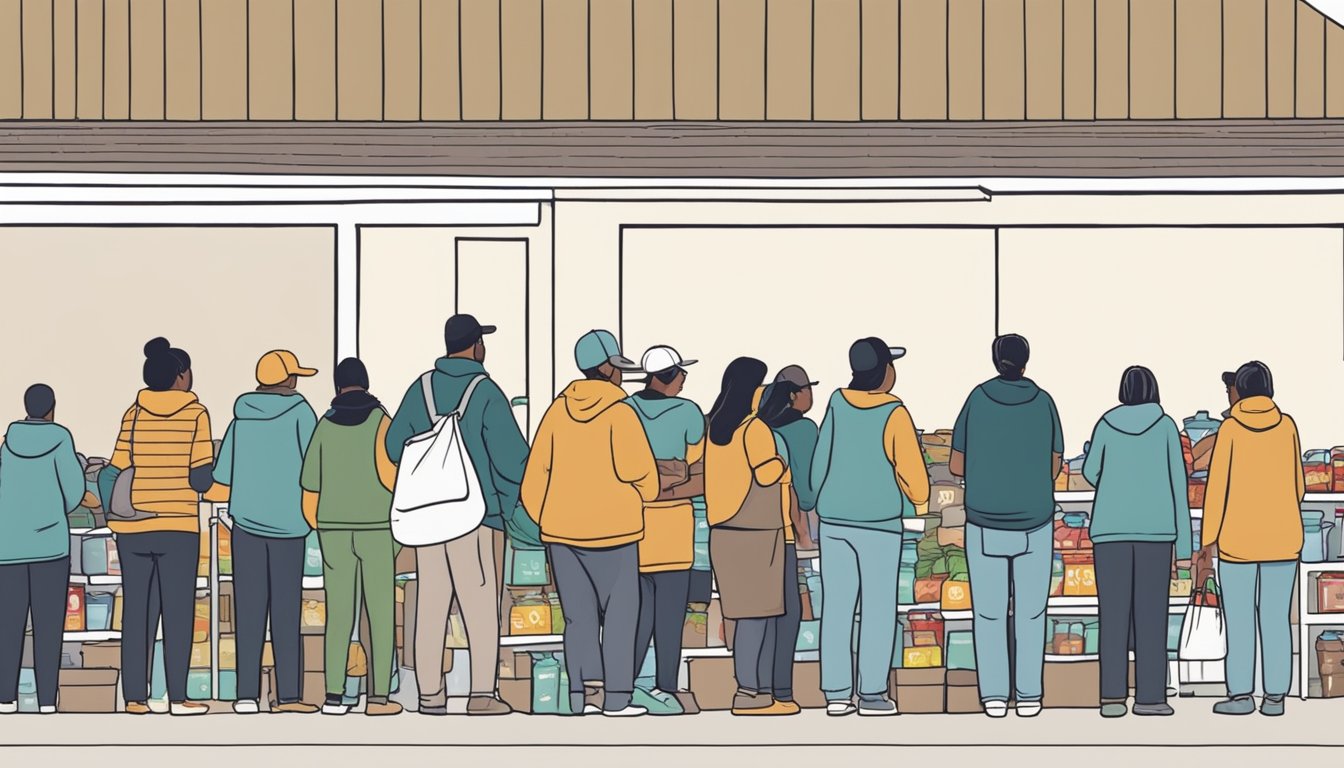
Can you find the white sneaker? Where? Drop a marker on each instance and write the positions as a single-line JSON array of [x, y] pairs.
[[1028, 708], [592, 709], [997, 709], [840, 708], [630, 711], [246, 707], [336, 709], [46, 710], [188, 708], [9, 707]]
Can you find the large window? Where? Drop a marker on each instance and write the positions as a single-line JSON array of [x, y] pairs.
[[80, 303]]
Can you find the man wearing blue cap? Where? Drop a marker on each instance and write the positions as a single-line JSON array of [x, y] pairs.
[[588, 478]]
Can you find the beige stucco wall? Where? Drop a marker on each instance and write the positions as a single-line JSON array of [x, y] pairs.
[[80, 303]]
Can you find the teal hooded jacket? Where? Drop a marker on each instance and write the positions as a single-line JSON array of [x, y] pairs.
[[1137, 467], [40, 483], [496, 446], [261, 459], [671, 423], [1007, 431]]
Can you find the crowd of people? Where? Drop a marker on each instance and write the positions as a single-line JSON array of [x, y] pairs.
[[613, 484]]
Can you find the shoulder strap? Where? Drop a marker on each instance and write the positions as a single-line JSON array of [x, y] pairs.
[[427, 389], [461, 409], [135, 421]]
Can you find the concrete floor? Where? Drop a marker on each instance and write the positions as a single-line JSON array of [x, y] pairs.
[[1310, 731]]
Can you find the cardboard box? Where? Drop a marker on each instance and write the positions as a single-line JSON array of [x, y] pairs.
[[807, 685], [919, 691], [1072, 685], [101, 655], [1332, 686], [314, 688], [314, 617], [200, 656], [228, 653], [963, 692], [88, 691], [517, 694], [693, 632], [512, 665], [713, 683], [405, 562], [117, 603], [714, 629]]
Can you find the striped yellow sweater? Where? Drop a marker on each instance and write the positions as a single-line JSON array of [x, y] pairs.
[[172, 436]]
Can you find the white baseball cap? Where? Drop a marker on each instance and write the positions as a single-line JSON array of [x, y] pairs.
[[659, 359]]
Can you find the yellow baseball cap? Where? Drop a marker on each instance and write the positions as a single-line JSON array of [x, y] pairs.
[[276, 366]]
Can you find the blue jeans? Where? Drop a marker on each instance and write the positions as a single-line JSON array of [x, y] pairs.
[[1258, 593], [854, 561], [1004, 564]]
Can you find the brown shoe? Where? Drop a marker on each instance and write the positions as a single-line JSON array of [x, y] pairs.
[[747, 703], [487, 705], [138, 708], [382, 709], [297, 708]]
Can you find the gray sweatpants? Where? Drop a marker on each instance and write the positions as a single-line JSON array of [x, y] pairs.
[[599, 595]]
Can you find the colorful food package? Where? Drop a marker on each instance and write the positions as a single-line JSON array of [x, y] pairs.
[[74, 608], [1330, 593], [922, 657], [1337, 469], [956, 595], [1080, 575], [530, 616], [926, 621], [930, 590], [1318, 470]]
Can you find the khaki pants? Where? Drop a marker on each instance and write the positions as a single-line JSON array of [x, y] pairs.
[[465, 567]]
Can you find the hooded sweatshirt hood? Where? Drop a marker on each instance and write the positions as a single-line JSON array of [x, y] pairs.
[[586, 399], [652, 405], [866, 400], [1134, 419], [265, 406], [352, 408], [1005, 392], [1257, 414], [34, 439], [165, 404]]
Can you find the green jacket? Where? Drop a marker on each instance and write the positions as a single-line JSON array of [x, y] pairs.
[[341, 466], [800, 435], [497, 447], [1007, 431], [1136, 465], [853, 471], [40, 483], [260, 460]]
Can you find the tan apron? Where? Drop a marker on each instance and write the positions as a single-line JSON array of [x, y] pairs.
[[747, 554]]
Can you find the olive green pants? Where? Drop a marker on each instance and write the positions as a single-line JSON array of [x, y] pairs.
[[359, 564]]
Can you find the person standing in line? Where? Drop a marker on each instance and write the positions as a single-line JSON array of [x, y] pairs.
[[347, 480], [1253, 522], [676, 431], [787, 402], [746, 492], [466, 566], [40, 483], [260, 460], [165, 439], [1141, 511], [1009, 445], [869, 472], [590, 473]]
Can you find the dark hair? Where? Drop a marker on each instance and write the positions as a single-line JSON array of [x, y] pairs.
[[867, 381], [741, 379], [1255, 380], [595, 374], [351, 372], [38, 401], [462, 345], [1138, 386], [668, 376], [777, 403], [163, 364], [1011, 353]]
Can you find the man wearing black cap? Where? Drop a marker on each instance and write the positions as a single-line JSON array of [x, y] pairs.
[[869, 473], [1009, 446], [465, 566]]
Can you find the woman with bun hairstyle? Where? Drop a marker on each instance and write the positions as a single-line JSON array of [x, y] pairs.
[[165, 437]]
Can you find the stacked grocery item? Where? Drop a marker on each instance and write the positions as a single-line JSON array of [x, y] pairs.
[[1330, 663]]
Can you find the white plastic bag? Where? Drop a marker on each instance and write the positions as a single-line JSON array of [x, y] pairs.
[[1203, 633]]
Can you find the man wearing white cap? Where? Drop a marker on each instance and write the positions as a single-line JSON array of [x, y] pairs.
[[676, 431], [587, 479]]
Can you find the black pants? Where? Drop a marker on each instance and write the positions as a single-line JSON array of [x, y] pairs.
[[268, 583], [662, 617], [39, 588], [161, 563], [763, 649], [1133, 580]]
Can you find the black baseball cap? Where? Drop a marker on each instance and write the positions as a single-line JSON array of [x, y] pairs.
[[463, 331], [872, 353], [1229, 378]]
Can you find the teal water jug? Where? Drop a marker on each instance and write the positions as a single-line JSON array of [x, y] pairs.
[[545, 684], [1200, 426], [93, 556], [563, 699], [312, 560]]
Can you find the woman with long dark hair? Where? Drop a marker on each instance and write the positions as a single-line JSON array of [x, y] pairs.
[[1141, 512], [745, 478]]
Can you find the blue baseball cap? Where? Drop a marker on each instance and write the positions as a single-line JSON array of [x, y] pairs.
[[598, 347]]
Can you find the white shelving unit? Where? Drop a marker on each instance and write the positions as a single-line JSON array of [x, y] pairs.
[[1308, 621]]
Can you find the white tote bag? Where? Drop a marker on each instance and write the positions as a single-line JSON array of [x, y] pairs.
[[438, 495], [1203, 633]]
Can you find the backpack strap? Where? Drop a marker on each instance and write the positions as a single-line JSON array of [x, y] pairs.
[[427, 389], [461, 409]]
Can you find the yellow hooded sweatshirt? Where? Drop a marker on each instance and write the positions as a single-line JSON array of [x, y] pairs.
[[591, 469], [1253, 504], [171, 437]]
